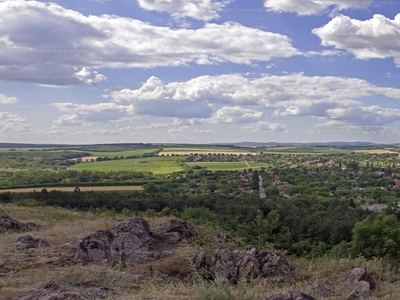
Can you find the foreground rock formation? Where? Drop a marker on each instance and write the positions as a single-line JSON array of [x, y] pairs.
[[28, 242], [359, 284], [238, 265], [9, 225], [131, 241]]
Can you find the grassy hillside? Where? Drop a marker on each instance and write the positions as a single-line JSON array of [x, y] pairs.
[[22, 272]]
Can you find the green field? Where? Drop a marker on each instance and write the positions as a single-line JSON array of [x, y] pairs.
[[155, 165], [137, 152]]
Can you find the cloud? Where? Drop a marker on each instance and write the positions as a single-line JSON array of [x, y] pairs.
[[268, 91], [7, 100], [235, 114], [82, 114], [90, 77], [266, 126], [12, 123], [313, 7], [378, 37], [328, 98], [48, 44], [364, 115], [203, 131], [205, 10]]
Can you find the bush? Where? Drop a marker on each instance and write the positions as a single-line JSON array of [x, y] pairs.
[[377, 237]]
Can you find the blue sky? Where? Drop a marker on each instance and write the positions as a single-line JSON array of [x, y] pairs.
[[199, 71]]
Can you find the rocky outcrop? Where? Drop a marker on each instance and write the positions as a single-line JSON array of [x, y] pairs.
[[55, 291], [9, 225], [358, 284], [291, 296], [223, 238], [131, 242], [238, 265], [178, 232], [28, 242]]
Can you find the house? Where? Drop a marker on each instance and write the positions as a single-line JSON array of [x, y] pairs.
[[281, 187], [397, 183], [376, 208]]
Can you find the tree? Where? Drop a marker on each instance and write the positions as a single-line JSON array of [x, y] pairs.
[[377, 237], [353, 165], [271, 191], [377, 193]]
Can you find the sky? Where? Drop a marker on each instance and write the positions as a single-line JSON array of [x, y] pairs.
[[199, 71]]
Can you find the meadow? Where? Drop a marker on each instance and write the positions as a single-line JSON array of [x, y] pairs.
[[155, 165]]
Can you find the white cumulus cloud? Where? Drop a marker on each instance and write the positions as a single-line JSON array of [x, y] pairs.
[[313, 7], [77, 45], [378, 37], [205, 10], [7, 100]]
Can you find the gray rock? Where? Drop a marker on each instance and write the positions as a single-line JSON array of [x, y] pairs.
[[9, 225], [238, 265], [131, 241], [222, 238], [358, 284], [178, 232], [27, 242]]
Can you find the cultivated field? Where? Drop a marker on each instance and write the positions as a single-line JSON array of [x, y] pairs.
[[305, 150], [123, 153], [71, 189], [155, 165], [377, 151], [206, 150]]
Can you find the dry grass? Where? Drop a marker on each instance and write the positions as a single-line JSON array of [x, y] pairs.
[[83, 189], [377, 151], [23, 272]]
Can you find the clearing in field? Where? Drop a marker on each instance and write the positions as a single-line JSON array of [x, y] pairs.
[[71, 189], [155, 165]]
